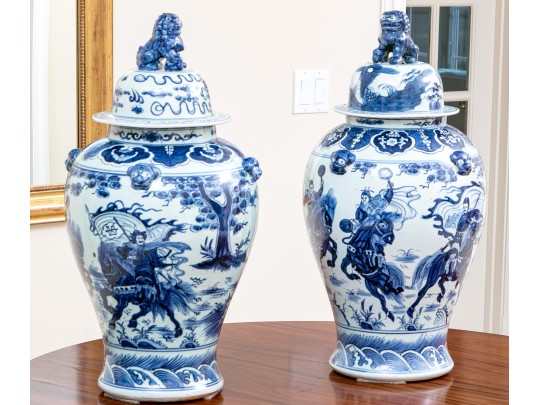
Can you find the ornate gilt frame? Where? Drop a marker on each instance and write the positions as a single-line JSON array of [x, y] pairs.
[[94, 88]]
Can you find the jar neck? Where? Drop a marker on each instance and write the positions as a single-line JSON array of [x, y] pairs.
[[163, 135], [396, 123]]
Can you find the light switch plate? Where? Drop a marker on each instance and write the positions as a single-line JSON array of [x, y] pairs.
[[311, 91]]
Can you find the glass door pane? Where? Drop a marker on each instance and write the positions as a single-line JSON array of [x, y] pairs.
[[454, 47], [460, 120], [420, 30]]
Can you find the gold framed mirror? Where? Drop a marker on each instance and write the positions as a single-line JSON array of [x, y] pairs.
[[94, 94]]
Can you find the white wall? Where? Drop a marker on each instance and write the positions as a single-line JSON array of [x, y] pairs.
[[246, 51]]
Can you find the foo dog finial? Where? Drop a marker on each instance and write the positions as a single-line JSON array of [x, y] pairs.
[[165, 43], [395, 39]]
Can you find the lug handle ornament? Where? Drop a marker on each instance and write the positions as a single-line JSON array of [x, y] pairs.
[[71, 156], [340, 160], [462, 161], [250, 165], [142, 175]]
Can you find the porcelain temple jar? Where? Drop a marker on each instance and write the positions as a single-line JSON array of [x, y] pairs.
[[394, 205], [161, 215]]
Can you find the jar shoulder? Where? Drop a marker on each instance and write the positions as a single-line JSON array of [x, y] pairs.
[[212, 155], [402, 141]]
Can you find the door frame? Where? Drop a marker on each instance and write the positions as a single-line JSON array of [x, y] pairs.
[[496, 318]]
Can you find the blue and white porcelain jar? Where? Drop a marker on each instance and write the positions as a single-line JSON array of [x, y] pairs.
[[161, 215], [394, 201]]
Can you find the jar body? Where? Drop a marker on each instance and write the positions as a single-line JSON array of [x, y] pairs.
[[394, 210], [161, 223]]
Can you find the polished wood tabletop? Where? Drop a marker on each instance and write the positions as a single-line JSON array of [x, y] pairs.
[[287, 363]]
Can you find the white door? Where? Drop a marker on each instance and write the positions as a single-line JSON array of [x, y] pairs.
[[459, 38]]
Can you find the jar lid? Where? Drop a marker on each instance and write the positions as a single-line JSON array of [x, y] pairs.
[[396, 86], [161, 93]]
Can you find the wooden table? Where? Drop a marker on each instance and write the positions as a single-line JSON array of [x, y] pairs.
[[287, 363]]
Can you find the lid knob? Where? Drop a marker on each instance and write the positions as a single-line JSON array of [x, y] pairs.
[[165, 44], [395, 39]]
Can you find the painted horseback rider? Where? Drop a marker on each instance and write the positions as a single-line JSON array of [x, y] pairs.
[[133, 251], [449, 262], [368, 212], [466, 234], [370, 230], [151, 294], [320, 214], [311, 197], [153, 283], [467, 226]]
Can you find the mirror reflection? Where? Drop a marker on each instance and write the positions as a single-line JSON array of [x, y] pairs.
[[54, 89]]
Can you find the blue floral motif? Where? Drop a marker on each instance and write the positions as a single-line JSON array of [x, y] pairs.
[[392, 142], [210, 153], [125, 154], [425, 141], [450, 138], [358, 138], [335, 136]]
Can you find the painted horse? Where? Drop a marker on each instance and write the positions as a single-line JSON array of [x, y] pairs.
[[365, 253], [437, 268], [140, 284], [450, 262]]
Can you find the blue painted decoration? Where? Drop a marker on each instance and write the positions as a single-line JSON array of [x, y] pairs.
[[395, 40], [165, 43], [161, 216], [393, 204]]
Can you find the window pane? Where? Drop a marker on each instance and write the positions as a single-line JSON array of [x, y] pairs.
[[460, 120], [420, 30], [454, 47]]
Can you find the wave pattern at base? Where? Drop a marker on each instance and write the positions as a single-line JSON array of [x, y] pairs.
[[140, 378], [388, 361]]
